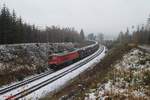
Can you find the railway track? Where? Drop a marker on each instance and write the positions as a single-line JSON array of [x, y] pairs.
[[14, 86], [52, 79], [24, 82], [17, 95]]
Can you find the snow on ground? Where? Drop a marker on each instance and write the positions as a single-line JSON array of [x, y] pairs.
[[56, 85], [129, 80], [18, 61], [17, 56]]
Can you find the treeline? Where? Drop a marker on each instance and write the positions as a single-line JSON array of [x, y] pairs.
[[140, 36], [14, 30]]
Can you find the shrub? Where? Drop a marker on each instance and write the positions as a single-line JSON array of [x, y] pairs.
[[146, 78]]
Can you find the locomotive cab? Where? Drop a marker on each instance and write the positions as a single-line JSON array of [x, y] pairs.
[[52, 61]]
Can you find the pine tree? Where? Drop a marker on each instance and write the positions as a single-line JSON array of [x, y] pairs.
[[5, 25], [14, 30], [127, 36], [82, 35], [121, 37]]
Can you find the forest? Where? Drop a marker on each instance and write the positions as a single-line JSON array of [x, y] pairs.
[[141, 35], [14, 30]]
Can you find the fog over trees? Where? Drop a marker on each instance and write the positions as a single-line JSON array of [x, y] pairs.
[[141, 35], [14, 30]]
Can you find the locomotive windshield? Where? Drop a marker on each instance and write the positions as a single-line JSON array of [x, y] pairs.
[[50, 57]]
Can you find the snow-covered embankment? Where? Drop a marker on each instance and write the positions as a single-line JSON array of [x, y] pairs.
[[129, 79]]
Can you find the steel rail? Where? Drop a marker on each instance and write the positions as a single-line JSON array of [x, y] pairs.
[[50, 80], [14, 86], [24, 82]]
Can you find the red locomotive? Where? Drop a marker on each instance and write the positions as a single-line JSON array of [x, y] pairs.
[[60, 60]]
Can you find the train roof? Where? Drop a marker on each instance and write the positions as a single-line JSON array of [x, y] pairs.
[[89, 46], [64, 53], [75, 50]]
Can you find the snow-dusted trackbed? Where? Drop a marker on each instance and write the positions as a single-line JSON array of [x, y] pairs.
[[24, 82], [52, 81]]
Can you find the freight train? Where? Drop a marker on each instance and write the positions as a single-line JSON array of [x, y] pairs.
[[59, 60]]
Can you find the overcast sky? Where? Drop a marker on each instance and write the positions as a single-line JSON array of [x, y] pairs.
[[107, 16]]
